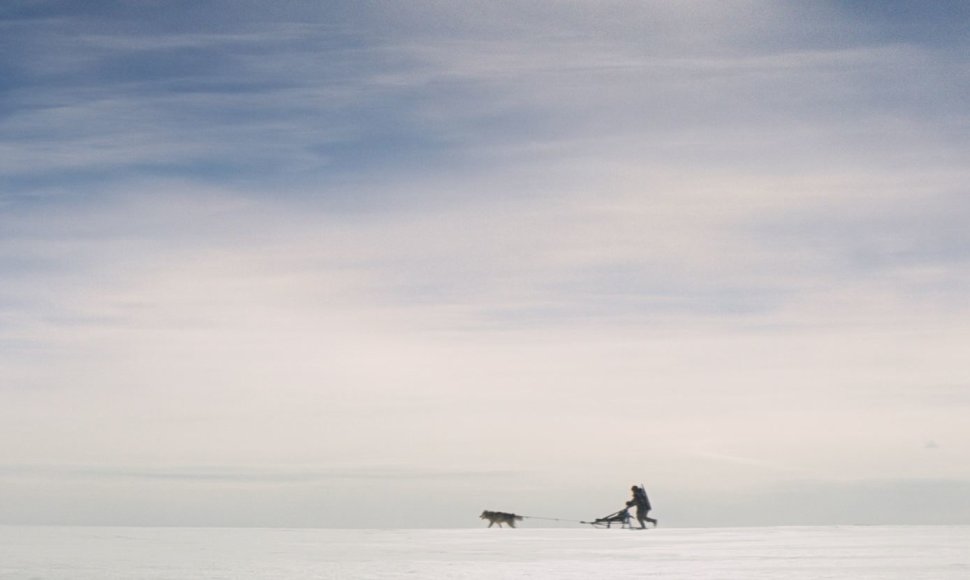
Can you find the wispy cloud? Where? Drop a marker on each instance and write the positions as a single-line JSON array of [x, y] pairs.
[[235, 475]]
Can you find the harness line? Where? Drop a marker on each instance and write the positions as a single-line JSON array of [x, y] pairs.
[[554, 519]]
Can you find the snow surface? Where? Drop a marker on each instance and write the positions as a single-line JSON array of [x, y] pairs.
[[849, 552]]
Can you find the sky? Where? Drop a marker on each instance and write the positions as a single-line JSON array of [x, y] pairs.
[[387, 264]]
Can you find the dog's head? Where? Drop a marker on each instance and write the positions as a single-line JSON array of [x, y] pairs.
[[485, 515]]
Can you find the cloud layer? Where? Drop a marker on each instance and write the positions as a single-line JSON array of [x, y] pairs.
[[717, 247]]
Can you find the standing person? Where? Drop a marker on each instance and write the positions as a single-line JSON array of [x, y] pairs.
[[642, 502]]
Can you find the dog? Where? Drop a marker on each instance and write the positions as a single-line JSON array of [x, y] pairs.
[[499, 518]]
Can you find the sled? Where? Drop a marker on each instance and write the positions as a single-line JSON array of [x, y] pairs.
[[621, 517]]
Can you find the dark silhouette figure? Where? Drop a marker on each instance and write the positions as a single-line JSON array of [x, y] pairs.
[[642, 503]]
